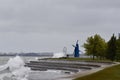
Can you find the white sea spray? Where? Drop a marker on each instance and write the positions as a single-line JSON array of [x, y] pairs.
[[16, 69]]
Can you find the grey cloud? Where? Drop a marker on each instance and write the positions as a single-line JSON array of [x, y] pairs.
[[61, 20]]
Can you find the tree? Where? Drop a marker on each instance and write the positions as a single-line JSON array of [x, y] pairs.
[[111, 48], [89, 45], [95, 46], [118, 49], [100, 46]]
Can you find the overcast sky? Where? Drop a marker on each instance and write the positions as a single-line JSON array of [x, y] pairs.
[[49, 25]]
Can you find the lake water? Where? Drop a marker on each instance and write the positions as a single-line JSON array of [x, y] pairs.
[[32, 75]]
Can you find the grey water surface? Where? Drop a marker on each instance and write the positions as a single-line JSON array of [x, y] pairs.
[[35, 75]]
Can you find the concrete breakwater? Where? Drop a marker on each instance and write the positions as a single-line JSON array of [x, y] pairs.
[[72, 66]]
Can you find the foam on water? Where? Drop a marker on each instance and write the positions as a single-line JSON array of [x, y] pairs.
[[58, 55], [16, 69]]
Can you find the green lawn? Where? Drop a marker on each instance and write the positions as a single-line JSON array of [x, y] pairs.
[[112, 73]]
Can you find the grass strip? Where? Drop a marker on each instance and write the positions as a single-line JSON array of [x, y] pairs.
[[111, 73], [80, 59]]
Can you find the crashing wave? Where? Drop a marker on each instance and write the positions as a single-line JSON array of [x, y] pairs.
[[15, 70], [59, 55]]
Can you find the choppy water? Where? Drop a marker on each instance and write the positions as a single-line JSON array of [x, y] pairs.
[[32, 75]]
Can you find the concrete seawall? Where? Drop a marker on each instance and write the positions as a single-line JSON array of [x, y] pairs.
[[73, 66]]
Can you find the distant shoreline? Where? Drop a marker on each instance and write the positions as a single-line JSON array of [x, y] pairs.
[[29, 54]]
